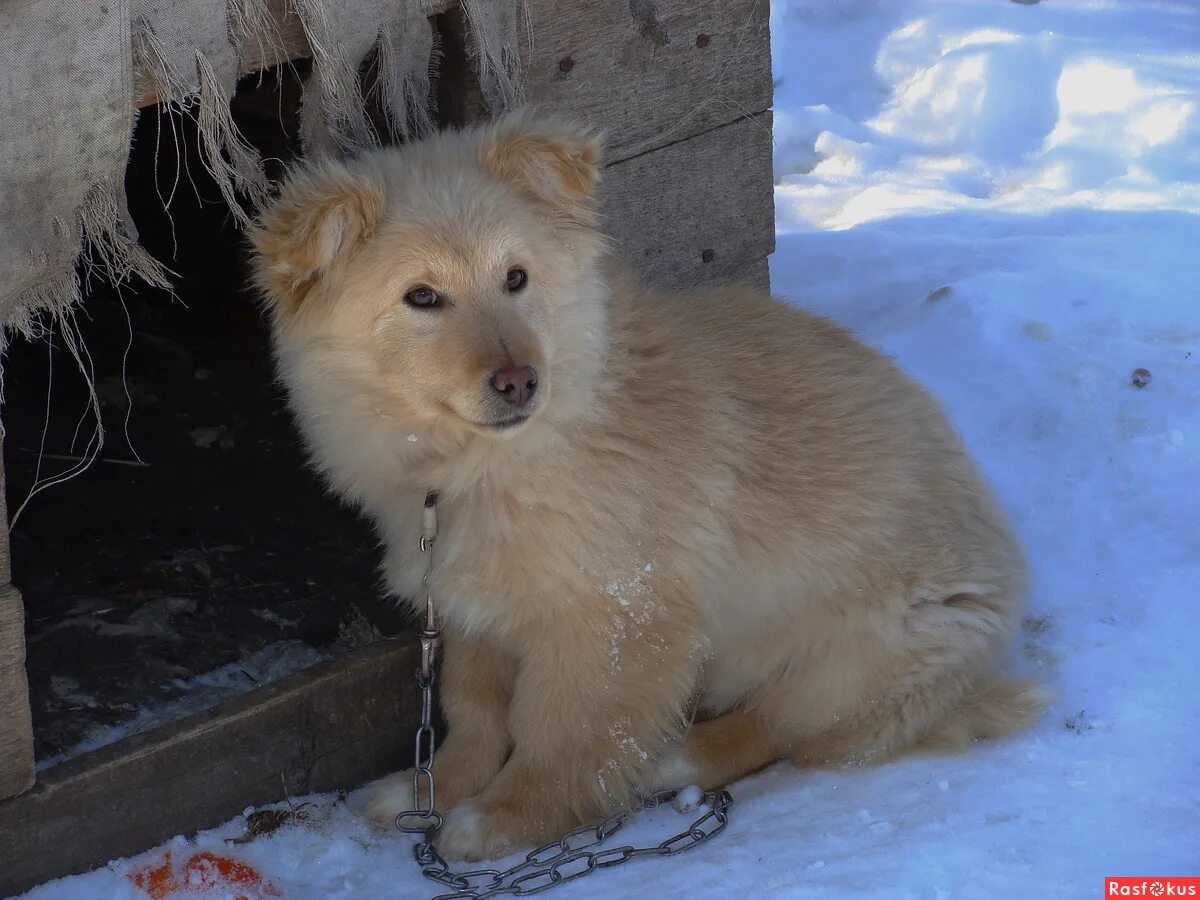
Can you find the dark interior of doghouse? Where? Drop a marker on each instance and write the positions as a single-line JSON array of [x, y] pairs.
[[197, 537]]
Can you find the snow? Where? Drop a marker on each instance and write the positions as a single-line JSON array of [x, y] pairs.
[[1004, 197]]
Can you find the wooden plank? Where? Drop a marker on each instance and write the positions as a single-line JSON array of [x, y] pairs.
[[259, 52], [696, 212], [756, 273], [5, 559], [16, 727], [335, 725], [650, 72]]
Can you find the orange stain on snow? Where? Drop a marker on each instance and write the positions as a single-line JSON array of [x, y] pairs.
[[204, 871]]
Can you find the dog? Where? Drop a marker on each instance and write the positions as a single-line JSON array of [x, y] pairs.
[[683, 534]]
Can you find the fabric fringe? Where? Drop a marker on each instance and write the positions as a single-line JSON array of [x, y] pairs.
[[109, 247], [494, 31], [28, 315], [252, 24], [110, 241], [64, 322], [226, 155], [332, 117], [406, 59], [233, 163]]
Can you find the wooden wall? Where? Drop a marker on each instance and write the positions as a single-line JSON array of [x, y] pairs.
[[682, 89]]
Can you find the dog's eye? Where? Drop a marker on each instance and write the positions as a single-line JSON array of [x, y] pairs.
[[516, 280], [422, 297]]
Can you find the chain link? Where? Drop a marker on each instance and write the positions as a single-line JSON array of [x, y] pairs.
[[555, 863], [424, 818], [571, 856]]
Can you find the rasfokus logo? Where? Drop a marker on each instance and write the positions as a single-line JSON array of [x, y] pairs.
[[1145, 886]]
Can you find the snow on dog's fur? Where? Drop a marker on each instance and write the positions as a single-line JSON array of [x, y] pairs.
[[662, 498]]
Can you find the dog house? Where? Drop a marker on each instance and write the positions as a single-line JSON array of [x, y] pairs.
[[163, 517]]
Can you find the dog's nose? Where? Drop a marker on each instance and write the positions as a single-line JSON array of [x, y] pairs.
[[516, 384]]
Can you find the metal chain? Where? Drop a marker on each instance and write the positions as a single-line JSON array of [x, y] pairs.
[[557, 862], [425, 740], [570, 856]]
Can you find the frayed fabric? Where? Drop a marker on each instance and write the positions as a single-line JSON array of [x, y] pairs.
[[495, 30], [68, 112], [65, 118], [406, 57]]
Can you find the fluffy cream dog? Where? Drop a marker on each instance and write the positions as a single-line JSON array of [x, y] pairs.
[[652, 503]]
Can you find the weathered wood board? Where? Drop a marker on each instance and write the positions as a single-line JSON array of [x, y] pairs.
[[699, 211], [650, 72], [16, 729], [335, 725]]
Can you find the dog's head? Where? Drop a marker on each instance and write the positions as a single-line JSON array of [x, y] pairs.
[[446, 279]]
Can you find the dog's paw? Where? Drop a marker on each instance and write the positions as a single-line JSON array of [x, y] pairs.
[[470, 833], [672, 771], [381, 801]]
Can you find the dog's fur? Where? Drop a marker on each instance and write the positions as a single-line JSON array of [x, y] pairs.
[[720, 503]]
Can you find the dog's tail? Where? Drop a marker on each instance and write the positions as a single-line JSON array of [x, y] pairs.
[[996, 707]]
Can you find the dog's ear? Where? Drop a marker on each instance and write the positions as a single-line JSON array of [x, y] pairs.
[[323, 212], [554, 160]]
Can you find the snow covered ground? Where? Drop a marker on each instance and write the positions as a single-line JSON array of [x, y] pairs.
[[1005, 197]]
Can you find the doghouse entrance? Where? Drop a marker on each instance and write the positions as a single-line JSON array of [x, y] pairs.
[[196, 540]]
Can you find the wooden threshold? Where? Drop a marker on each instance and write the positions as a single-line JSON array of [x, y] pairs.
[[335, 725]]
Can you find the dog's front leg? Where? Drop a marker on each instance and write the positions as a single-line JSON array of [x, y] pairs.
[[476, 689], [475, 686], [595, 700]]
